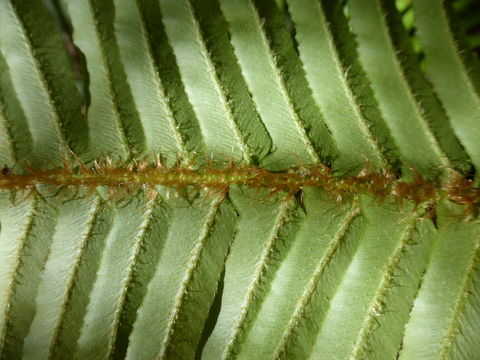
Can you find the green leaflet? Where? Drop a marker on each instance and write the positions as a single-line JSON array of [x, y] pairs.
[[6, 149], [265, 231], [214, 30], [382, 335], [169, 74], [266, 86], [74, 307], [290, 290], [122, 247], [238, 273], [15, 228], [323, 67], [438, 328], [416, 124], [17, 142], [289, 65], [452, 72], [156, 118], [75, 217], [188, 272], [221, 135], [37, 79], [26, 236], [360, 293], [93, 37]]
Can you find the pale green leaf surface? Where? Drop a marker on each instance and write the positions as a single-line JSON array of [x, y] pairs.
[[437, 315], [160, 128], [241, 273], [17, 133], [221, 134], [76, 305], [402, 112], [143, 272], [267, 86], [265, 232], [324, 70], [214, 31], [54, 64], [468, 334], [168, 71], [381, 333], [114, 274], [368, 276], [34, 235], [282, 44], [6, 148], [75, 217], [190, 266], [449, 73], [31, 88], [299, 335], [318, 240], [15, 227], [106, 131]]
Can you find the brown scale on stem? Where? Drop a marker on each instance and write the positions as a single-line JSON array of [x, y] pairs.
[[137, 175]]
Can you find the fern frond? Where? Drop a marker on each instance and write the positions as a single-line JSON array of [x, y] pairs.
[[238, 179]]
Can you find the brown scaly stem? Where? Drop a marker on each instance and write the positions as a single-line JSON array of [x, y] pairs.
[[146, 175]]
